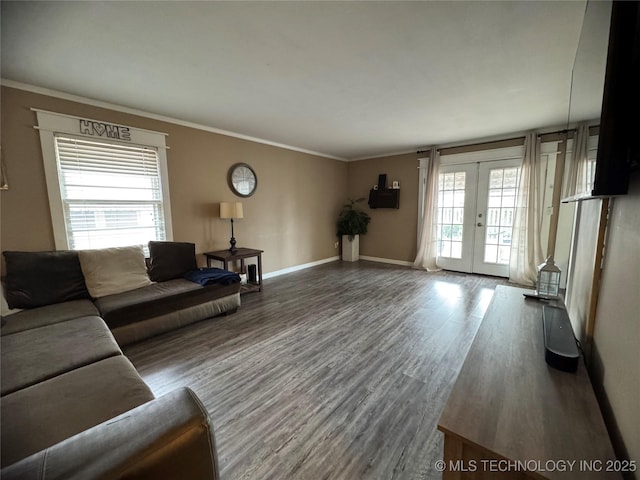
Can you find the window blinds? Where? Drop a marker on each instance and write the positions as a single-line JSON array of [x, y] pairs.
[[111, 193]]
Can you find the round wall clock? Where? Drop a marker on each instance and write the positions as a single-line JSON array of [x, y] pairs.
[[242, 180]]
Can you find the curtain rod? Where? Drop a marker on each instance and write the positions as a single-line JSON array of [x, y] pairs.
[[504, 140], [593, 130]]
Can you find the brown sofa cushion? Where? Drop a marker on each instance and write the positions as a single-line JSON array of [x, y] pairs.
[[47, 315], [35, 279], [169, 260], [48, 412], [36, 355], [135, 445], [157, 299]]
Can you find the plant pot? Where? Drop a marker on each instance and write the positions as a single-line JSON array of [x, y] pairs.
[[350, 248]]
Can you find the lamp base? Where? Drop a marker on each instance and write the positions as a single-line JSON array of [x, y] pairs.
[[232, 241]]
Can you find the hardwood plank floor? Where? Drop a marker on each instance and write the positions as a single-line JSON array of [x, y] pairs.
[[335, 372]]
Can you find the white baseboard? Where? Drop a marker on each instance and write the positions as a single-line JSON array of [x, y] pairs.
[[387, 260], [295, 268]]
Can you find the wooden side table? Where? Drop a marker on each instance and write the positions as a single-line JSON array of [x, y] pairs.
[[226, 256]]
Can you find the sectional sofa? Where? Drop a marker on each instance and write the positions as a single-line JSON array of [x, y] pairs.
[[72, 405]]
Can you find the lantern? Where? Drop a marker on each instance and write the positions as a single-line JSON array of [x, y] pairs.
[[548, 279]]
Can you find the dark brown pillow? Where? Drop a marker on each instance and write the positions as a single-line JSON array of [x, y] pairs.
[[35, 279], [171, 260]]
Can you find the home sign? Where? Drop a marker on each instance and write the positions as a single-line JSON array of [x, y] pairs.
[[100, 129]]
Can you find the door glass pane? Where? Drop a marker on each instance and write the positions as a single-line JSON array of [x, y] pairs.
[[450, 214], [456, 249], [501, 207], [490, 253]]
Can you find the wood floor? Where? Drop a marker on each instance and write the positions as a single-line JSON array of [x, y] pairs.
[[335, 372]]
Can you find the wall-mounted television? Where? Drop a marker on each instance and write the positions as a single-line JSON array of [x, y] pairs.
[[619, 137]]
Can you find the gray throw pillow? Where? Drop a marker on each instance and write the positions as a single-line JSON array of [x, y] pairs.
[[35, 279], [169, 260]]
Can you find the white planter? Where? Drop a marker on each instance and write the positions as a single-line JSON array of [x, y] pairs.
[[350, 248]]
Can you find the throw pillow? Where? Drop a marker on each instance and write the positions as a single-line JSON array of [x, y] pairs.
[[169, 260], [35, 279], [108, 271], [4, 308]]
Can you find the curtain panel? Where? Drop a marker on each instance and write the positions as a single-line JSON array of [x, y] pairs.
[[577, 181], [427, 228], [526, 244]]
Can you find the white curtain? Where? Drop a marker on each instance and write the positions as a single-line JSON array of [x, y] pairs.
[[526, 245], [577, 181], [427, 228]]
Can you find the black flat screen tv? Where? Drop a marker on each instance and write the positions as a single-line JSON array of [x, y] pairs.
[[619, 136]]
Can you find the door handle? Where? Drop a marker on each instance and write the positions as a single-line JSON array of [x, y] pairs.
[[479, 224]]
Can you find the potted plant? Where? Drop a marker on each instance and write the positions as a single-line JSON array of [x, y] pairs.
[[350, 225]]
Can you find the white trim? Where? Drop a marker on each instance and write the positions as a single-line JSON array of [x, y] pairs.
[[295, 268], [51, 123], [109, 140], [154, 116], [75, 118], [47, 143], [166, 194], [382, 155], [504, 153], [61, 123], [387, 260]]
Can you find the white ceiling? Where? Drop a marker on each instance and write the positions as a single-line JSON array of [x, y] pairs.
[[345, 79]]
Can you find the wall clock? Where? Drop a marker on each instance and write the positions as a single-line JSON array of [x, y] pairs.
[[242, 180]]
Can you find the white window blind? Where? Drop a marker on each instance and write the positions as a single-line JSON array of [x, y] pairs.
[[111, 193]]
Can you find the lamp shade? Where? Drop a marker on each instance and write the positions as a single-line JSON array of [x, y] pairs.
[[231, 210]]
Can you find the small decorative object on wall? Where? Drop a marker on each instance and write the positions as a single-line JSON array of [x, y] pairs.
[[243, 181], [231, 210], [382, 197], [350, 225], [101, 129]]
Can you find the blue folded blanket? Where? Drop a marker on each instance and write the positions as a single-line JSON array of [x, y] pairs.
[[208, 276]]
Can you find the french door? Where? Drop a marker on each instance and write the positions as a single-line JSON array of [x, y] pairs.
[[476, 208]]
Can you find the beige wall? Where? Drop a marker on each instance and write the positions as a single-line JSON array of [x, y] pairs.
[[291, 216], [616, 339], [392, 233]]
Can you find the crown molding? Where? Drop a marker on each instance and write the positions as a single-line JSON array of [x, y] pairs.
[[382, 155], [133, 111]]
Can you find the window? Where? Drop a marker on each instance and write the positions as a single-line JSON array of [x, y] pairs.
[[590, 173], [111, 194], [104, 192]]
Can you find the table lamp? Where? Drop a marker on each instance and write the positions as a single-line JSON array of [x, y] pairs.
[[231, 210]]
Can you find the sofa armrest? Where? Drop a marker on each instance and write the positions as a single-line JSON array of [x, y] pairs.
[[169, 437]]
